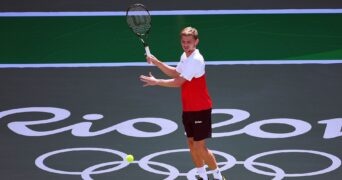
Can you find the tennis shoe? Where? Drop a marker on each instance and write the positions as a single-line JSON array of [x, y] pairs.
[[198, 177], [223, 178]]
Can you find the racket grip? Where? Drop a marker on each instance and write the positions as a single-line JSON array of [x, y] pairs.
[[147, 50]]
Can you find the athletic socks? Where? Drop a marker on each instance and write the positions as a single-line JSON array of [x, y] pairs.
[[202, 173], [217, 174]]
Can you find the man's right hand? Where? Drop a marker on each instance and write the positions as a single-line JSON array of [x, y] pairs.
[[151, 59]]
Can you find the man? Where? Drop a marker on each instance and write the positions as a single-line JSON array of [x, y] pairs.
[[189, 75]]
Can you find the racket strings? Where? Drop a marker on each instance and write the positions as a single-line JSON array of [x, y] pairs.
[[138, 18], [141, 30], [139, 24]]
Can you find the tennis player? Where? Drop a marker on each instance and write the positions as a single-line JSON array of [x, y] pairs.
[[189, 75]]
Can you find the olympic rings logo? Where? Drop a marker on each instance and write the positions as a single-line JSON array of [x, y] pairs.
[[172, 172]]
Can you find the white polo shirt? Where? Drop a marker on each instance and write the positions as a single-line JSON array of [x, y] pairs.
[[192, 66]]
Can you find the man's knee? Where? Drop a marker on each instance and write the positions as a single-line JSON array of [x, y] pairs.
[[200, 146]]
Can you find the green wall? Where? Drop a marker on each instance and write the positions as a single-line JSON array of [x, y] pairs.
[[222, 37]]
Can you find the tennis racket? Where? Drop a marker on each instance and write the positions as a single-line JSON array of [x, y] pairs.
[[139, 20]]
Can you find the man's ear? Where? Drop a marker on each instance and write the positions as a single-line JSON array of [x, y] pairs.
[[197, 41]]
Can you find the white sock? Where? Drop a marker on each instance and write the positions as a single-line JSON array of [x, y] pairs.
[[217, 174], [202, 173]]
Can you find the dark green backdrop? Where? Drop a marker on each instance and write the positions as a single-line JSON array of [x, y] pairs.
[[222, 37]]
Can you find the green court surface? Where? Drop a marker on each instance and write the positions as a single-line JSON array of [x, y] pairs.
[[222, 37]]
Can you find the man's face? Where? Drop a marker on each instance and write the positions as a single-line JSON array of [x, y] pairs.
[[189, 44]]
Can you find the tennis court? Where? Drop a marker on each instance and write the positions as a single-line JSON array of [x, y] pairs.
[[72, 105]]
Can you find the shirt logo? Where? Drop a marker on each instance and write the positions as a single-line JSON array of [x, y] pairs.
[[198, 122]]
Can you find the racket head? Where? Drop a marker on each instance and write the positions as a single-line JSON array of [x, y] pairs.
[[138, 19]]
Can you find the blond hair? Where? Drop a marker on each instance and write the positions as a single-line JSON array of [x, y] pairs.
[[190, 31]]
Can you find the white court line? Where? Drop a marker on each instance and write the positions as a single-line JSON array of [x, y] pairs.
[[174, 12], [137, 64]]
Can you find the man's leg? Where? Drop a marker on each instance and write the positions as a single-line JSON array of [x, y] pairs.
[[202, 155], [198, 160], [205, 154], [196, 157]]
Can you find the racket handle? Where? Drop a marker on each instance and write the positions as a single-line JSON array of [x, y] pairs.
[[147, 50]]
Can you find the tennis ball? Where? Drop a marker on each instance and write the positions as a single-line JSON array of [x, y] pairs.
[[130, 158]]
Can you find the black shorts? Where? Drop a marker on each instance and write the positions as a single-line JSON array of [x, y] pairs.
[[197, 124]]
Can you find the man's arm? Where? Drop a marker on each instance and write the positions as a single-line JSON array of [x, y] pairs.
[[152, 81], [166, 69]]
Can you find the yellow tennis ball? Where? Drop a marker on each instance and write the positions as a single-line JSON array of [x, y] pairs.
[[130, 158]]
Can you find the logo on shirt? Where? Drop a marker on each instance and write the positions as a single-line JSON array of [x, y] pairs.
[[198, 122]]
